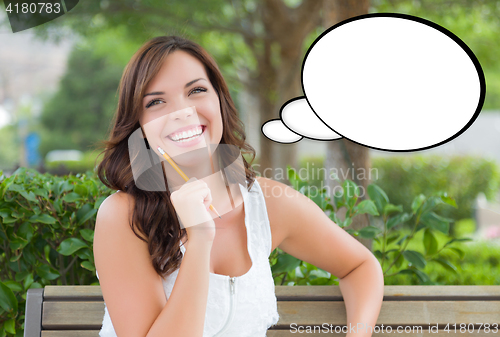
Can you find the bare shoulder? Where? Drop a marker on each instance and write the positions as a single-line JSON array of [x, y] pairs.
[[115, 213], [282, 202], [126, 274], [307, 233], [280, 195]]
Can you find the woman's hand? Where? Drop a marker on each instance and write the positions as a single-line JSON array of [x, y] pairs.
[[191, 203]]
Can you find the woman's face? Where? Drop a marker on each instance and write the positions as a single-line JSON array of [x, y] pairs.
[[181, 109]]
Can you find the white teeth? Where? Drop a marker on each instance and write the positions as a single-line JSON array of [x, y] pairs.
[[185, 136]]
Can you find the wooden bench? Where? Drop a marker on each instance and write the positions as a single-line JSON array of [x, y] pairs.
[[71, 311]]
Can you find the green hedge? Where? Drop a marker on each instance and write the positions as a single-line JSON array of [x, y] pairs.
[[87, 163], [402, 178], [46, 234], [477, 262], [460, 176]]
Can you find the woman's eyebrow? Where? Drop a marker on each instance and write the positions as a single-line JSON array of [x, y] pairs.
[[163, 93]]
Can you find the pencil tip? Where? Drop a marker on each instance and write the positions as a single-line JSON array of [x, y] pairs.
[[220, 217]]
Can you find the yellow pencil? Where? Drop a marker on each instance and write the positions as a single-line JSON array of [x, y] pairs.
[[185, 177]]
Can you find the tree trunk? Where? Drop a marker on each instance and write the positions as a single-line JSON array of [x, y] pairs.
[[350, 159], [279, 57]]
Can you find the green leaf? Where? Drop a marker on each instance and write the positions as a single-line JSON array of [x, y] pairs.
[[8, 220], [8, 300], [71, 197], [446, 264], [13, 285], [457, 240], [85, 213], [30, 196], [46, 273], [88, 265], [42, 218], [285, 263], [15, 188], [351, 193], [10, 326], [430, 242], [368, 232], [84, 254], [28, 281], [81, 190], [41, 192], [390, 208], [367, 206], [392, 238], [417, 202], [432, 220], [423, 277], [460, 252], [448, 200], [398, 219], [399, 261], [5, 212], [21, 276], [378, 196], [58, 206], [70, 246], [87, 234], [25, 231], [403, 238], [415, 258], [431, 203], [35, 285]]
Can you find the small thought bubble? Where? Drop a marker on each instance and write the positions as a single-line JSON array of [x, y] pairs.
[[392, 82]]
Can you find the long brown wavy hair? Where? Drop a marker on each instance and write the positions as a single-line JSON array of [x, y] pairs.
[[154, 215]]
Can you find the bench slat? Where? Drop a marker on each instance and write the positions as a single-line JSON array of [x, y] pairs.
[[72, 315], [391, 293], [89, 315], [70, 333], [393, 312]]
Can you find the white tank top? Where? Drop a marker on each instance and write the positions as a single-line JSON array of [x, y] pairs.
[[241, 306]]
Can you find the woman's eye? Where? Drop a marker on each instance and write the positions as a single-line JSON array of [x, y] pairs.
[[153, 102], [197, 90]]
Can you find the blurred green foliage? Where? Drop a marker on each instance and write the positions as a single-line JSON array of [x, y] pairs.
[[80, 113], [402, 178], [464, 177], [9, 154], [88, 163]]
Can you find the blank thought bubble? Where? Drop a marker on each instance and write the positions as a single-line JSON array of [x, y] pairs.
[[388, 81]]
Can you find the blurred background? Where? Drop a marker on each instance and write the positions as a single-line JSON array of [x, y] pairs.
[[58, 91]]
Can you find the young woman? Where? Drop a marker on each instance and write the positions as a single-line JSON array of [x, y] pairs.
[[165, 272]]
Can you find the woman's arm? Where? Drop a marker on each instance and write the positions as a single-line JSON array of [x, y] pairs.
[[132, 289], [307, 233]]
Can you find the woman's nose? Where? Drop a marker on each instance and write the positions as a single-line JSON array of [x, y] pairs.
[[182, 113]]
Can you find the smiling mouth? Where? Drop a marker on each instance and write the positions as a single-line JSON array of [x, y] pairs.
[[188, 135]]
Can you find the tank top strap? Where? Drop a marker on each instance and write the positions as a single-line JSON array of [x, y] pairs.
[[261, 225]]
